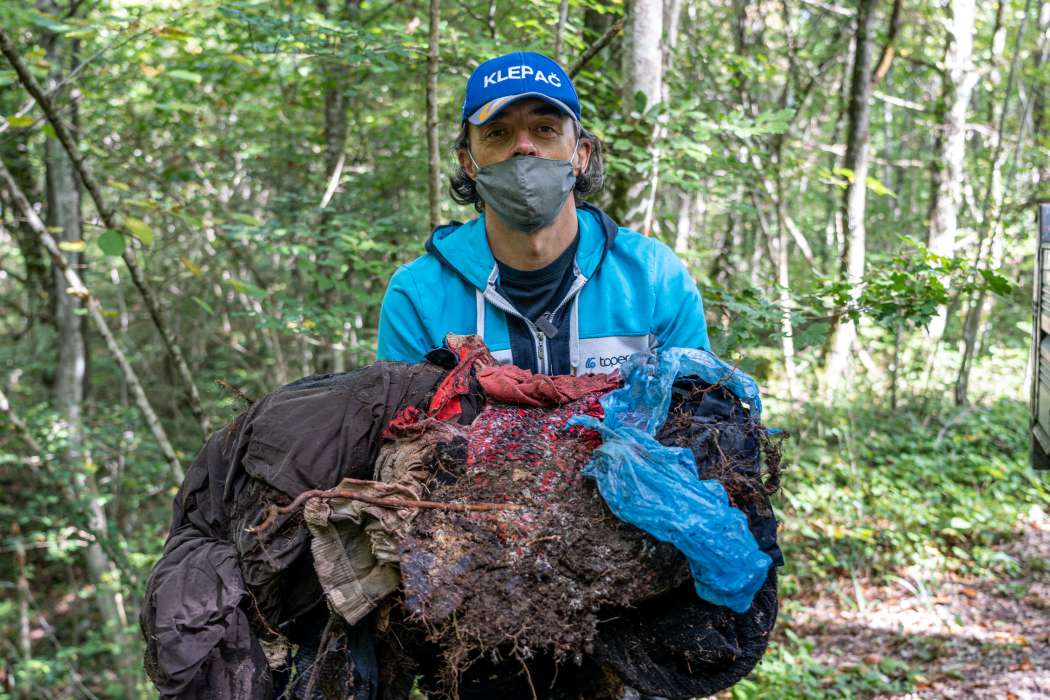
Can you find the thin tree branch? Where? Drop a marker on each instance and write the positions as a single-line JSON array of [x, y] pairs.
[[559, 35], [333, 181], [889, 49], [602, 42], [275, 511]]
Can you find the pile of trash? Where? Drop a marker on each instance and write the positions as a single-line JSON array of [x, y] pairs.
[[486, 526]]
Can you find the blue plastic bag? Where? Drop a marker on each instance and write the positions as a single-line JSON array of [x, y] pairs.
[[656, 488], [645, 398]]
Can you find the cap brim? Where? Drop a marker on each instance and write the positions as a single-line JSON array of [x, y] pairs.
[[493, 107]]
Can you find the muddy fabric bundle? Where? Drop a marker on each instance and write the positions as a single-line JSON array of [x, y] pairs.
[[532, 578], [678, 645], [229, 614], [492, 586], [355, 542], [656, 487], [220, 598]]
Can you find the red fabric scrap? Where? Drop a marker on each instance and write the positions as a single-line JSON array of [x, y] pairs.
[[511, 384], [402, 424], [472, 354]]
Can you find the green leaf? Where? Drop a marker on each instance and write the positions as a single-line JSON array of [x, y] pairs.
[[876, 186], [844, 172], [72, 246], [249, 289], [813, 334], [201, 303], [246, 219], [50, 24], [173, 33], [186, 75], [142, 203], [997, 283], [20, 122], [194, 270], [111, 243], [140, 230]]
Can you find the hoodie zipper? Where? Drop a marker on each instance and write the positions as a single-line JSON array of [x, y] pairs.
[[539, 338]]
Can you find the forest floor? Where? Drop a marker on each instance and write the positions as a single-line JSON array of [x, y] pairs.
[[951, 635]]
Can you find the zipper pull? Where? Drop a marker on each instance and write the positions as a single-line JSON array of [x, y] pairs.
[[546, 326]]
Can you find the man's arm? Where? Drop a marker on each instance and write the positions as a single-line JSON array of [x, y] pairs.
[[402, 332], [678, 316]]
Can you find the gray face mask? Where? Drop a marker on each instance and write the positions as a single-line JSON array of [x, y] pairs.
[[525, 191]]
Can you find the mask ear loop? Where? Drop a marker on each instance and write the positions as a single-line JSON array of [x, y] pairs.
[[474, 162], [576, 127]]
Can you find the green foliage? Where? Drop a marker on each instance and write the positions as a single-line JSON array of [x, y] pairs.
[[206, 124], [872, 491], [869, 493], [789, 671], [908, 287], [902, 289]]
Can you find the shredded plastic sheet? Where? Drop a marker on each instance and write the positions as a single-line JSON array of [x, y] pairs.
[[657, 488], [646, 394]]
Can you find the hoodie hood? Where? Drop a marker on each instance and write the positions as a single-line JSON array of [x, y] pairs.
[[464, 248]]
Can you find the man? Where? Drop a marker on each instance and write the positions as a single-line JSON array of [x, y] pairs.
[[550, 282]]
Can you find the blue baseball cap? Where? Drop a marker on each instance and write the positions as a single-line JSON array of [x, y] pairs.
[[506, 79]]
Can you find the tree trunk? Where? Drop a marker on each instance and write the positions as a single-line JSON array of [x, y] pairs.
[[980, 306], [959, 79], [685, 224], [337, 78], [644, 74], [559, 34], [777, 245], [595, 24], [854, 202], [25, 642], [1040, 116], [94, 311], [63, 212], [433, 147]]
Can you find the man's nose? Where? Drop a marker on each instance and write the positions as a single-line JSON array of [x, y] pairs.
[[523, 145]]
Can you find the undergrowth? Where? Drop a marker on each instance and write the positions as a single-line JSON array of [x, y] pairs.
[[868, 492]]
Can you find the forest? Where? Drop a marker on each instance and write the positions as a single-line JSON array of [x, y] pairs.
[[201, 201]]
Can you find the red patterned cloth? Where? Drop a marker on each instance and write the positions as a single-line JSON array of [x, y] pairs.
[[502, 383], [510, 384]]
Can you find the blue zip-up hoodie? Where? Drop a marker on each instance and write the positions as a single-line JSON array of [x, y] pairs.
[[630, 293]]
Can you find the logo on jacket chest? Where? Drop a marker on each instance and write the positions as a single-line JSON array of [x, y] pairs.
[[608, 361]]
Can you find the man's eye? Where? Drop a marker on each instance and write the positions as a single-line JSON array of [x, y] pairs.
[[547, 130], [494, 133]]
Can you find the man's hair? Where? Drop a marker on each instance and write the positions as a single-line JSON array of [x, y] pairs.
[[465, 191]]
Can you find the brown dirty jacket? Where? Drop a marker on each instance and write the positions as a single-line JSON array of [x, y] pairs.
[[216, 597]]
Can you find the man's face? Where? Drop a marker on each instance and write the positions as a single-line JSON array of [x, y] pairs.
[[526, 128]]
